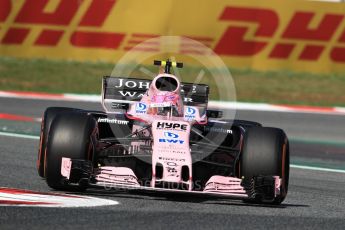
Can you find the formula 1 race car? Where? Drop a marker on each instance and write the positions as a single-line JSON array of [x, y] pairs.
[[159, 136]]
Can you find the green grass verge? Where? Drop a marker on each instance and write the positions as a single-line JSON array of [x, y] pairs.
[[277, 87]]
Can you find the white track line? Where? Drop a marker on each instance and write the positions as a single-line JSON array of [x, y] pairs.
[[26, 136], [317, 168]]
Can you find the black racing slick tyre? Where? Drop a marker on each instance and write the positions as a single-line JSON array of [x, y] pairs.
[[47, 119], [266, 153], [71, 135]]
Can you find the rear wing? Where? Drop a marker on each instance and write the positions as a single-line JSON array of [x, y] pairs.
[[119, 92]]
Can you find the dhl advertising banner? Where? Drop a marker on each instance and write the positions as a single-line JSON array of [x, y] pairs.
[[263, 35]]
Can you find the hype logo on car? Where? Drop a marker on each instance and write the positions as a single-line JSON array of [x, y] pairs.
[[141, 108], [171, 126]]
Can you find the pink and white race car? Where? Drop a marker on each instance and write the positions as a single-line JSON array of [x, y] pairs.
[[159, 136]]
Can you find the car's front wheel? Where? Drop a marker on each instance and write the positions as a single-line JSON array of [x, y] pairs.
[[71, 135], [47, 119], [265, 153]]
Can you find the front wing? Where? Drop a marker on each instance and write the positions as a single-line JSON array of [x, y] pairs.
[[265, 188]]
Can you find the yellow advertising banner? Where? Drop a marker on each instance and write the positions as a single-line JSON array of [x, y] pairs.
[[263, 35]]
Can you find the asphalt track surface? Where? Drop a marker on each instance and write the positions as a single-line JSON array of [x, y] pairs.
[[316, 199]]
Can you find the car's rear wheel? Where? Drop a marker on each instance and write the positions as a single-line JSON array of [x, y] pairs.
[[266, 153], [71, 135]]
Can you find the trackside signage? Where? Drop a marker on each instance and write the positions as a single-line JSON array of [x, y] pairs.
[[264, 35]]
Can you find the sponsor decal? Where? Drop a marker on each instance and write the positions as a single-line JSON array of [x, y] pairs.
[[178, 152], [126, 88], [116, 105], [172, 126], [112, 121], [131, 94], [171, 135], [171, 141], [168, 149], [219, 130], [174, 149], [188, 99], [190, 113], [158, 105], [141, 108], [171, 170], [171, 159], [172, 97], [123, 83]]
